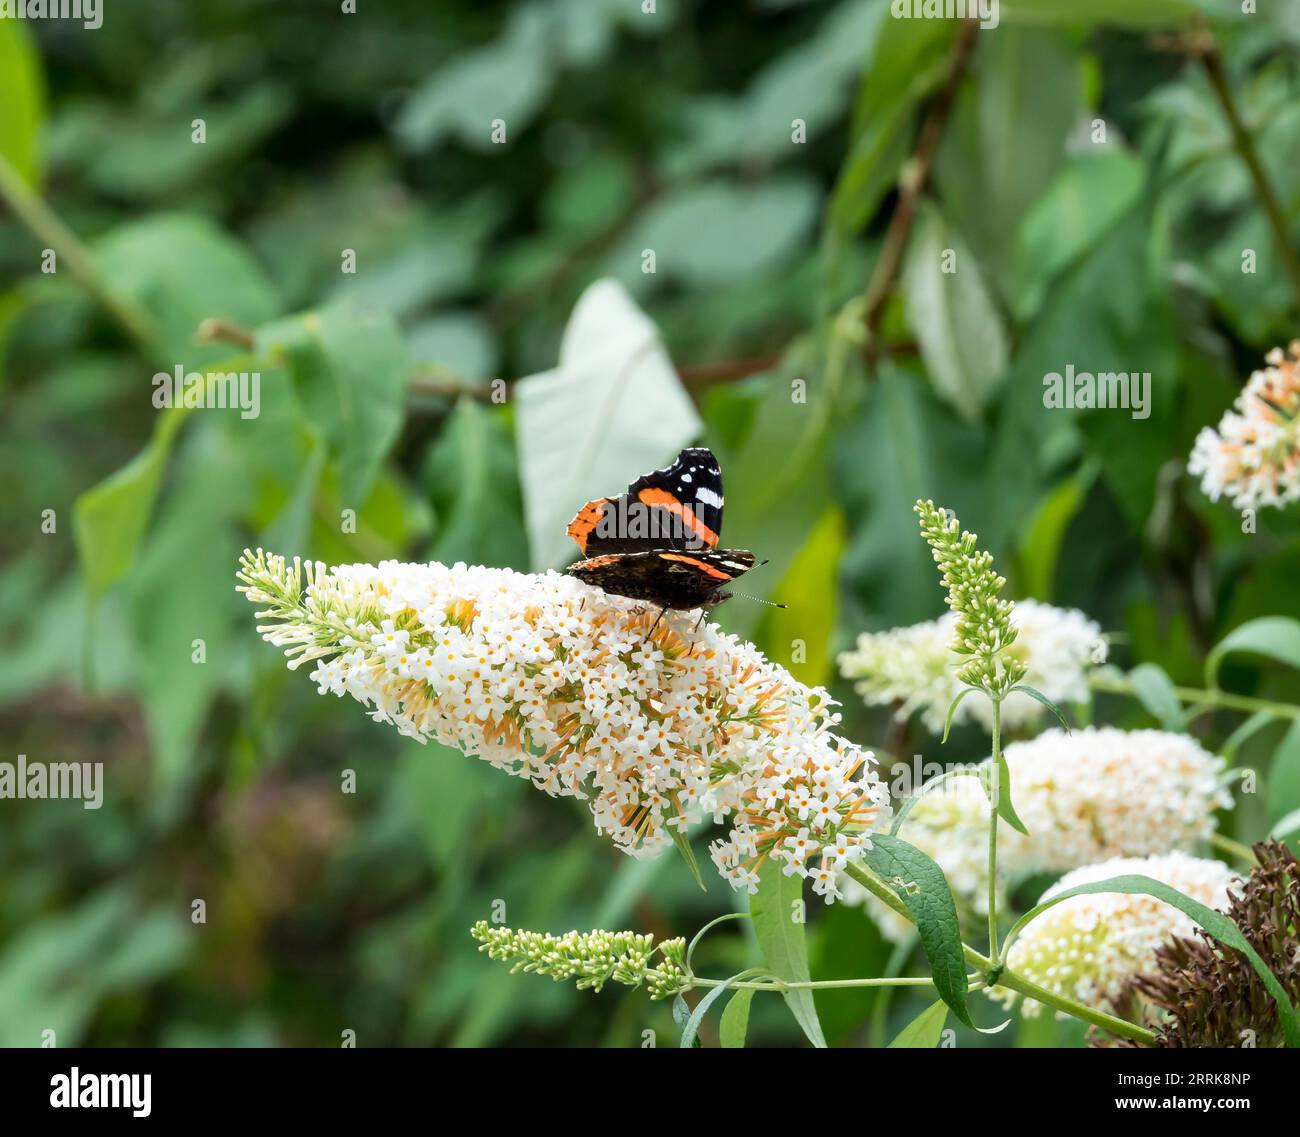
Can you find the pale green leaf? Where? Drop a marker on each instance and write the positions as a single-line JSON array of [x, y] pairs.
[[109, 519], [735, 1019], [775, 906], [1284, 775], [1276, 637], [953, 317], [1155, 691], [924, 1031], [22, 100]]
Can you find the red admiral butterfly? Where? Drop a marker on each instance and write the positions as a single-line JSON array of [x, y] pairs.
[[659, 541]]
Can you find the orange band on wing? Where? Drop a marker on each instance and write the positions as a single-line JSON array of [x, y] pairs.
[[588, 517], [664, 500], [695, 562]]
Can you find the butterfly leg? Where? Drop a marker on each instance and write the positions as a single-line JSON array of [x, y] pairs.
[[651, 632], [703, 612]]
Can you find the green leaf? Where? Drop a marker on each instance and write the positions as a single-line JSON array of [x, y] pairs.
[[1155, 691], [1287, 825], [460, 342], [681, 1011], [1040, 541], [349, 368], [57, 968], [953, 317], [782, 943], [952, 710], [471, 475], [1277, 637], [1215, 923], [1034, 693], [809, 591], [924, 1031], [151, 161], [630, 882], [1284, 775], [583, 430], [720, 232], [1089, 197], [290, 527], [908, 63], [1003, 804], [1117, 13], [682, 840], [1006, 140], [780, 503], [871, 168], [183, 269], [692, 1027], [179, 592], [109, 519], [902, 445], [22, 100], [735, 1019], [923, 888], [511, 75], [815, 74], [1244, 733]]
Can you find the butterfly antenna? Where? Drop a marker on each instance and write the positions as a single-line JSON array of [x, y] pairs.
[[759, 599]]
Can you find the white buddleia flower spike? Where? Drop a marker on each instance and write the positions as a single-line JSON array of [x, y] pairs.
[[586, 695], [914, 669]]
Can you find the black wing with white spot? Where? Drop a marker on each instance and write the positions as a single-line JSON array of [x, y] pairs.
[[677, 508], [695, 481]]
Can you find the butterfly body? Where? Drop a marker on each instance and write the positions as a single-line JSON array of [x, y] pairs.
[[658, 542]]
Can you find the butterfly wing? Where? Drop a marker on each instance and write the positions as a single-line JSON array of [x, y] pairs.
[[676, 508], [664, 578]]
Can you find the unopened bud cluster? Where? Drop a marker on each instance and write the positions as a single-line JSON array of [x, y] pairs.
[[984, 626], [591, 958]]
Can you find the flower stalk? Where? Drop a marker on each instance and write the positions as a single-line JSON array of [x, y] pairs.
[[47, 227], [1199, 700], [995, 788], [983, 632]]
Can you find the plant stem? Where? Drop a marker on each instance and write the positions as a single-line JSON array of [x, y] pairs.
[[1236, 848], [46, 226], [880, 1014], [911, 183], [1245, 147], [1003, 976], [728, 369], [995, 788], [817, 984], [214, 328], [1202, 699]]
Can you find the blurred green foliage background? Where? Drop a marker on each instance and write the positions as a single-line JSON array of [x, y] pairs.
[[674, 131]]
